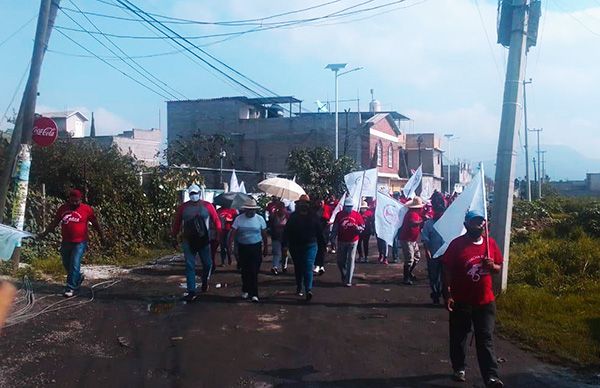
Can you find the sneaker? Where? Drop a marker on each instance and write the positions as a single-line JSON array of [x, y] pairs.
[[69, 294], [408, 282], [274, 271], [348, 284], [316, 270], [284, 269], [385, 262], [494, 382], [299, 292], [190, 297], [309, 296], [245, 295], [255, 299], [321, 270], [459, 375], [333, 251]]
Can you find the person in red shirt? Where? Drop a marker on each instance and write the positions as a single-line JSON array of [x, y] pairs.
[[468, 264], [363, 243], [226, 216], [409, 237], [73, 218], [193, 218], [348, 226]]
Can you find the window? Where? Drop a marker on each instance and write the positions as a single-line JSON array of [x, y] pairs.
[[379, 151], [390, 156]]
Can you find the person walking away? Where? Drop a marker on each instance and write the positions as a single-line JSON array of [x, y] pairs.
[[321, 210], [468, 264], [73, 217], [409, 237], [250, 231], [304, 236], [348, 226], [332, 203], [193, 221], [432, 242], [363, 243], [277, 221], [226, 216]]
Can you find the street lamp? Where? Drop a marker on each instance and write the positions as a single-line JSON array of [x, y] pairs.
[[448, 136], [336, 67], [222, 155]]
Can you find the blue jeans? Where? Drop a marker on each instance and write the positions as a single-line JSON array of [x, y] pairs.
[[304, 260], [190, 264], [71, 254]]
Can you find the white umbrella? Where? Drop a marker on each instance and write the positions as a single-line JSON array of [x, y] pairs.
[[282, 188]]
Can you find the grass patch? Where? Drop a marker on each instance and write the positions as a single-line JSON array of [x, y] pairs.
[[566, 327]]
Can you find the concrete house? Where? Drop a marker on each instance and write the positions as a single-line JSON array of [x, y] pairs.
[[69, 122]]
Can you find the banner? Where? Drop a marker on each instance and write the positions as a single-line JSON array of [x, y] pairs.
[[364, 182], [413, 183], [389, 215], [337, 209], [426, 189], [473, 197], [233, 183]]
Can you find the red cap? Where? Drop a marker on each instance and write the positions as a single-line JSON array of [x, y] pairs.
[[74, 193]]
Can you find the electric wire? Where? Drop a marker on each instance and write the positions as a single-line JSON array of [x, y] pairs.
[[18, 30], [134, 68], [581, 23], [112, 66], [113, 57], [487, 38], [12, 99], [175, 92]]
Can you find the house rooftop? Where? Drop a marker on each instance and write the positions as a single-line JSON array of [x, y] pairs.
[[64, 114]]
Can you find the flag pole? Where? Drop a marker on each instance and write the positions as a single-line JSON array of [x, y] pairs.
[[487, 229]]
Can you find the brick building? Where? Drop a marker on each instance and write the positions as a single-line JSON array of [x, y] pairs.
[[263, 131]]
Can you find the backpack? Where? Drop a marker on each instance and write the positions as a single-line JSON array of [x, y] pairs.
[[195, 231]]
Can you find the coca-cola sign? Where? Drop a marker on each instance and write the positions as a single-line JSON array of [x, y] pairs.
[[45, 131]]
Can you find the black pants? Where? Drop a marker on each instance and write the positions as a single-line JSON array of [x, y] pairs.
[[482, 319], [363, 245], [250, 256], [321, 250]]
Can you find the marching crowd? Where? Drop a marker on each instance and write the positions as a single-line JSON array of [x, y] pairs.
[[304, 231]]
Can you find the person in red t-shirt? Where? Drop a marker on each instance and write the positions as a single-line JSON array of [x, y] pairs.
[[348, 226], [226, 215], [363, 244], [73, 218], [468, 265], [409, 237]]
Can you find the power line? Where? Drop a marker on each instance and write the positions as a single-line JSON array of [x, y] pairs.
[[18, 30], [12, 99], [230, 23], [139, 12], [576, 19], [111, 65], [134, 68], [489, 42], [113, 57]]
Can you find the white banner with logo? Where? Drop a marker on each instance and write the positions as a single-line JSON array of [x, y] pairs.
[[389, 215]]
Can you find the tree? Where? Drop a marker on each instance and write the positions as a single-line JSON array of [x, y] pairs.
[[199, 150], [318, 172]]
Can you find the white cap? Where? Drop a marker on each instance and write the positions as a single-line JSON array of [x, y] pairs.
[[194, 188]]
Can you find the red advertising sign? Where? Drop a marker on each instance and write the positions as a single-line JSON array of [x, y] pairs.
[[45, 131]]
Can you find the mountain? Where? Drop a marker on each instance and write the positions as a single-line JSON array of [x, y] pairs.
[[562, 163]]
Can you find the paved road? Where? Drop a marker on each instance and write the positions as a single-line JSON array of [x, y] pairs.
[[135, 334]]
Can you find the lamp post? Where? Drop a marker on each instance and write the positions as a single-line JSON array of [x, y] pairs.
[[336, 67], [449, 137], [222, 155]]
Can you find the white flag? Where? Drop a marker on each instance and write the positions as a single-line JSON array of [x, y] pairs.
[[233, 183], [337, 209], [242, 187], [426, 189], [10, 238], [451, 224], [362, 183], [389, 215], [413, 183]]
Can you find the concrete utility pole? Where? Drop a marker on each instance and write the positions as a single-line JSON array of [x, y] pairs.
[[527, 177], [24, 124], [539, 162], [509, 126], [543, 165], [449, 137]]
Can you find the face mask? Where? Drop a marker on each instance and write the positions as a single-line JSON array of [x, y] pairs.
[[250, 213], [194, 197], [474, 233]]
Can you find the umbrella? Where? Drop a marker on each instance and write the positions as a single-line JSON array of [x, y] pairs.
[[282, 188], [231, 199]]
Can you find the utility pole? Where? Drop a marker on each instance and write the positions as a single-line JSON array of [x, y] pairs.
[[515, 14], [21, 140], [543, 165], [527, 178], [539, 162], [449, 137], [535, 176]]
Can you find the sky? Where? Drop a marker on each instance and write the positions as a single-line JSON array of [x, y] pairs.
[[435, 61]]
